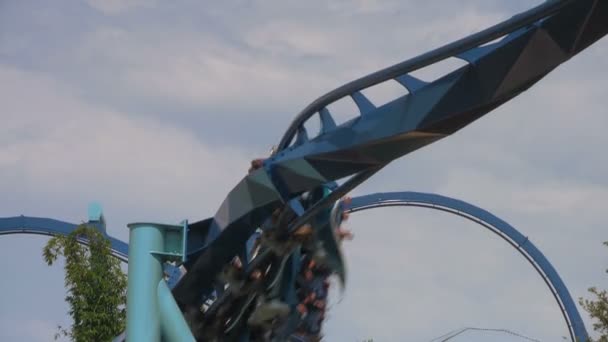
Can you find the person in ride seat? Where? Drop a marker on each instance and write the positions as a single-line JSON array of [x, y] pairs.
[[256, 164]]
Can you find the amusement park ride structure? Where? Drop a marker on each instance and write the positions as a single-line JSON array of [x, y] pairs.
[[258, 269]]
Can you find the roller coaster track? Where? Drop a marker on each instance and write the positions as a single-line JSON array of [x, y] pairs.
[[52, 227], [501, 62], [576, 327], [529, 46], [496, 225]]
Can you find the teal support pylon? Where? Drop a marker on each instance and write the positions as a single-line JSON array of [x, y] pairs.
[[152, 313], [145, 272], [173, 324]]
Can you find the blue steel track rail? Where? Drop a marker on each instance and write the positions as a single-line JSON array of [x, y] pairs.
[[52, 227], [503, 61], [547, 36], [576, 327], [455, 49], [521, 243]]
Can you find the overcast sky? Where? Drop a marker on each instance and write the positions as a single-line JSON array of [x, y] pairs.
[[155, 108]]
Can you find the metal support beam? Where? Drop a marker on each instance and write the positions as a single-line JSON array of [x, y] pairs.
[[173, 325], [521, 243], [145, 273], [152, 313], [51, 227]]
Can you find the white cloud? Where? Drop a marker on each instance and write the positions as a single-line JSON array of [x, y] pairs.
[[550, 197], [60, 146], [417, 273], [536, 162], [118, 6], [270, 58], [194, 71]]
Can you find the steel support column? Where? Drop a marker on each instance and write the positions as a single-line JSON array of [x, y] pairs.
[[145, 273], [173, 324]]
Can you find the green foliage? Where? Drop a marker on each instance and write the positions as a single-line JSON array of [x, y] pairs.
[[95, 284], [598, 310]]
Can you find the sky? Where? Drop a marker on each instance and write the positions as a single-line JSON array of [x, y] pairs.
[[155, 108]]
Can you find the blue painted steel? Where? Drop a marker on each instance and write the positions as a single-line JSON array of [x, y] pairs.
[[173, 325], [52, 227], [145, 273], [411, 83], [184, 240], [302, 136], [364, 104], [95, 212], [454, 49], [96, 218], [496, 225], [327, 121], [172, 273]]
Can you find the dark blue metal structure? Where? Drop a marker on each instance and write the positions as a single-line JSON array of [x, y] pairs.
[[51, 227], [254, 266], [498, 226], [576, 327], [502, 62]]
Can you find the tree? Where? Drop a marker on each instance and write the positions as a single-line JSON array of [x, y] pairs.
[[598, 310], [95, 283]]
